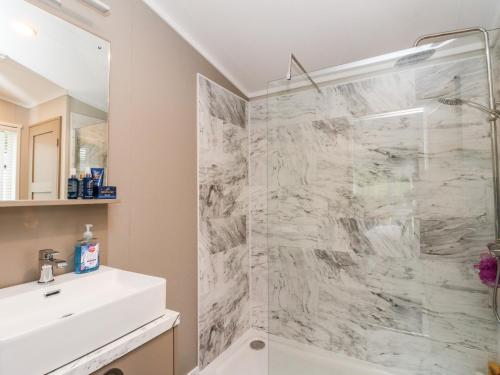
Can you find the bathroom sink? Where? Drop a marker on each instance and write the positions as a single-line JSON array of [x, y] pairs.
[[43, 327]]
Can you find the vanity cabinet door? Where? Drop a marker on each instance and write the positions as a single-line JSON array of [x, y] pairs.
[[155, 357]]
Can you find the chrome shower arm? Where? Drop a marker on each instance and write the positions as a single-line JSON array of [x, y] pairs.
[[293, 60], [449, 33]]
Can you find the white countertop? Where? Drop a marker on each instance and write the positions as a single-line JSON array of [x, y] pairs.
[[118, 348]]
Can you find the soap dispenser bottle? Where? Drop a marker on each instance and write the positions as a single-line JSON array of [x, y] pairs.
[[87, 252]]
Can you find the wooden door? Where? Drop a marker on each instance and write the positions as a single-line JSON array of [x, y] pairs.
[[44, 161]]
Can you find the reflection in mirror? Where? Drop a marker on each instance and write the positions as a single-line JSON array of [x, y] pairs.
[[53, 102]]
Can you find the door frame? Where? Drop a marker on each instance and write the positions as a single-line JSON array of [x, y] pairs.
[[30, 160]]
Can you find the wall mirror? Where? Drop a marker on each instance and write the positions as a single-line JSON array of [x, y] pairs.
[[54, 94]]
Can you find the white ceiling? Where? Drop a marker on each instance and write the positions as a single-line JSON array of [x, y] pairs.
[[63, 54], [250, 41]]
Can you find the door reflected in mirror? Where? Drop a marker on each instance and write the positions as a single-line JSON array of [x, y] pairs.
[[54, 94]]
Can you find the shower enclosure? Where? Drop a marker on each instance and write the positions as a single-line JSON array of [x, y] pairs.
[[370, 203]]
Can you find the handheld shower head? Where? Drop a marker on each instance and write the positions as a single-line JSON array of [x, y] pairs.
[[457, 101]]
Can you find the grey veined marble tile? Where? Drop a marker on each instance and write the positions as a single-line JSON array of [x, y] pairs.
[[224, 264], [221, 103], [224, 309], [391, 238], [259, 295], [385, 164], [292, 108], [222, 150], [223, 200], [369, 96], [220, 234], [457, 79], [222, 136], [258, 114], [455, 238], [386, 149], [303, 153], [258, 157], [422, 355]]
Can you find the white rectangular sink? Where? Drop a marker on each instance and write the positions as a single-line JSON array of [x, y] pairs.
[[43, 327]]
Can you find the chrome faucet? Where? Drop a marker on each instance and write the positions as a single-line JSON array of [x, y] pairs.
[[47, 261]]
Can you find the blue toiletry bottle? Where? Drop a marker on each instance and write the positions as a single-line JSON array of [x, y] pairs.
[[87, 252], [73, 185], [98, 178], [88, 185]]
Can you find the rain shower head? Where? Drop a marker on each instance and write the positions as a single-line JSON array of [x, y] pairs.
[[415, 58], [457, 101], [450, 101]]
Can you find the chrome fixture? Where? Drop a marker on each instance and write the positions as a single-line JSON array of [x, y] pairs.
[[494, 248], [293, 60], [98, 5], [47, 261], [456, 101]]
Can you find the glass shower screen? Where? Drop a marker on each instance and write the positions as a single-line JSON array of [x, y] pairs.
[[371, 204]]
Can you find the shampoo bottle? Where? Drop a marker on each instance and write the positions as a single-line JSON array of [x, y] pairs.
[[87, 252]]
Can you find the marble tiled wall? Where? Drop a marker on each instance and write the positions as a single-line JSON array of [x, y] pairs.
[[223, 256], [375, 222]]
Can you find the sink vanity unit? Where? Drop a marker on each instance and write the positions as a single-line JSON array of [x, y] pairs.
[[81, 323]]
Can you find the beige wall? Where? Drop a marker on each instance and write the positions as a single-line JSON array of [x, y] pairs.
[[152, 161], [13, 114], [25, 230]]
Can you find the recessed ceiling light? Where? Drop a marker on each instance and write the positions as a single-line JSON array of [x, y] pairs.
[[24, 29]]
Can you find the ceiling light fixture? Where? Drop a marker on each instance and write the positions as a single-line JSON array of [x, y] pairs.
[[24, 29]]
